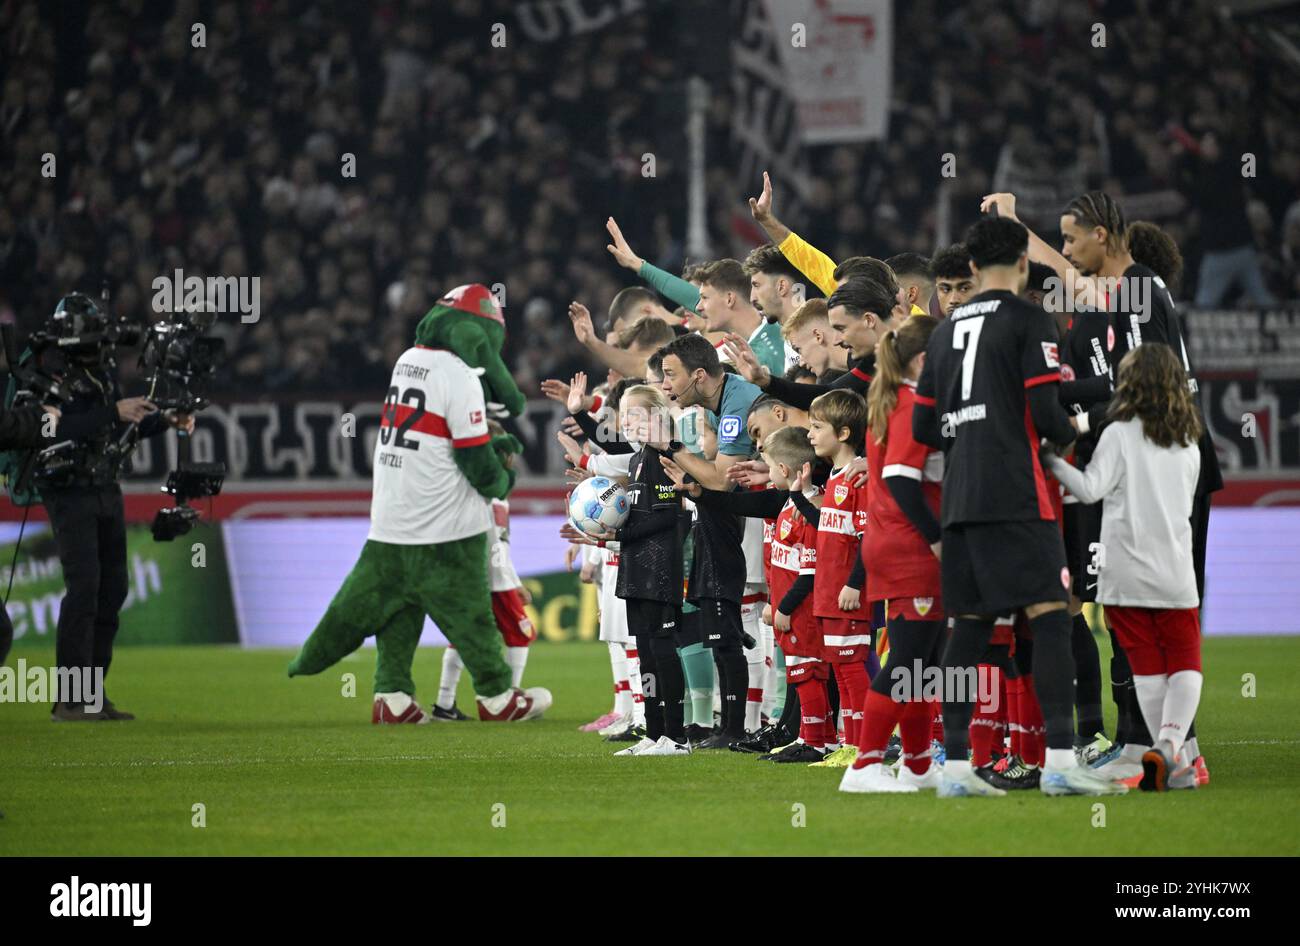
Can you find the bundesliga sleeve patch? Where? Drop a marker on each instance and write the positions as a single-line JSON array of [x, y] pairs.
[[1049, 355], [729, 428]]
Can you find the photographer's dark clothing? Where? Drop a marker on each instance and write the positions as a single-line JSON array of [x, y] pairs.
[[90, 416], [90, 534], [86, 515], [21, 427]]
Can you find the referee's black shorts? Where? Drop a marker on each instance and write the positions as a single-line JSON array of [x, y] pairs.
[[993, 568], [1082, 528], [720, 622], [652, 618]]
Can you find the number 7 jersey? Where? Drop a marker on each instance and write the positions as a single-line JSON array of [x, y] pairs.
[[434, 406], [979, 364]]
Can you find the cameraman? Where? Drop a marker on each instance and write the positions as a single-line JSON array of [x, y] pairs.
[[19, 427], [84, 501]]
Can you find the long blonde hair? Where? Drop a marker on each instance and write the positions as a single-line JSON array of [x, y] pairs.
[[894, 353]]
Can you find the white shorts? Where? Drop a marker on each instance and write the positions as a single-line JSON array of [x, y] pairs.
[[613, 614]]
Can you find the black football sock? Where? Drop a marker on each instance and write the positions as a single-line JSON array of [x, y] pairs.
[[733, 675], [653, 704], [1087, 680], [968, 643], [1054, 676], [672, 686]]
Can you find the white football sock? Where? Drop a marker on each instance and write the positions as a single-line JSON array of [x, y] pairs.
[[1192, 748], [450, 679], [1059, 760], [622, 688], [956, 768], [767, 642], [517, 658], [754, 707], [634, 680], [1151, 698], [396, 702], [1181, 698], [717, 693]]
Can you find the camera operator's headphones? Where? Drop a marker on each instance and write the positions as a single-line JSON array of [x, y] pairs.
[[77, 316]]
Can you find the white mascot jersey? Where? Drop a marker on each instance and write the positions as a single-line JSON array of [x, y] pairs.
[[433, 406]]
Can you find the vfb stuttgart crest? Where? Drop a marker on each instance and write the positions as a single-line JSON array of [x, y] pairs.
[[841, 493], [785, 529]]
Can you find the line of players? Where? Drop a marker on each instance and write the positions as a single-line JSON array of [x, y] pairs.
[[834, 460]]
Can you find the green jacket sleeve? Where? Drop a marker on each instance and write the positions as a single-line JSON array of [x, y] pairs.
[[670, 286], [484, 470]]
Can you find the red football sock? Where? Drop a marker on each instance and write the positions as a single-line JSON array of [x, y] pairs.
[[982, 722], [1000, 730], [879, 718], [814, 707], [1014, 726], [914, 731], [1031, 717], [852, 680]]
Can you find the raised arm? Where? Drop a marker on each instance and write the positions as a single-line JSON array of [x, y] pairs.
[[624, 362], [812, 262], [665, 283]]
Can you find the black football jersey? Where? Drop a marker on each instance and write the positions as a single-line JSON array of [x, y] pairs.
[[1142, 310], [1085, 370], [650, 567], [718, 568], [979, 363]]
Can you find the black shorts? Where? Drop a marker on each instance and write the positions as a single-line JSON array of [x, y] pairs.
[[1082, 539], [690, 630], [720, 622], [992, 568], [652, 618]]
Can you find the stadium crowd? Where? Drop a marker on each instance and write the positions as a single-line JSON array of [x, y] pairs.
[[476, 163]]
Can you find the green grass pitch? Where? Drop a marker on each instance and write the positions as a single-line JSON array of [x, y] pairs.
[[294, 767]]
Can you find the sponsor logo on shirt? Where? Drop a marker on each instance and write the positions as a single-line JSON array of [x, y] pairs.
[[729, 428], [668, 492], [1050, 355], [783, 557], [835, 520]]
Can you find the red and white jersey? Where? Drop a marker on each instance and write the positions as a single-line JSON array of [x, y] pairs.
[[501, 570], [898, 559], [839, 541], [793, 553], [434, 405]]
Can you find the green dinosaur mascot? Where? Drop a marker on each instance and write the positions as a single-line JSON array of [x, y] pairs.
[[436, 471]]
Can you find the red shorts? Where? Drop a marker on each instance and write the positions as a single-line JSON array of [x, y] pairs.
[[1003, 631], [512, 619], [914, 609], [1157, 640], [801, 669], [845, 640], [804, 638]]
